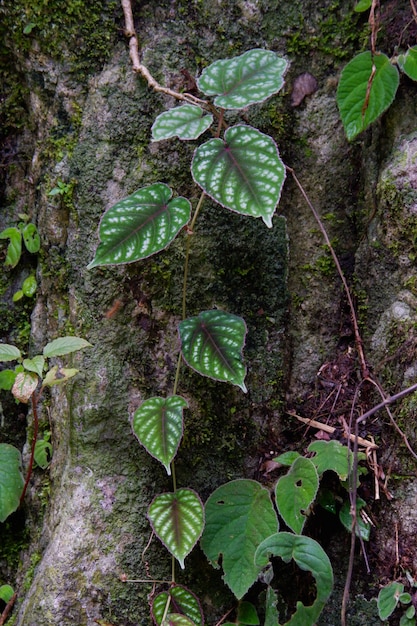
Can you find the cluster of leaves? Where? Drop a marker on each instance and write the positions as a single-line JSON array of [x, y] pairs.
[[239, 526], [393, 595], [25, 233], [27, 381], [369, 83]]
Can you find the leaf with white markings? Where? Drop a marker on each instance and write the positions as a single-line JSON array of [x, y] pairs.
[[243, 173], [140, 225], [158, 425], [24, 385], [246, 79], [212, 344], [178, 521], [185, 122], [182, 600]]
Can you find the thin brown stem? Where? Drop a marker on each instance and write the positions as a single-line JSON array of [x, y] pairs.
[[141, 69], [34, 400], [7, 609], [358, 338]]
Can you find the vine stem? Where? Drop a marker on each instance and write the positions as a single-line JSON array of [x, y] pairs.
[[142, 70], [358, 338], [34, 400]]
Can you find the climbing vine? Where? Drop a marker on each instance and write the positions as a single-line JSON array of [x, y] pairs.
[[240, 168]]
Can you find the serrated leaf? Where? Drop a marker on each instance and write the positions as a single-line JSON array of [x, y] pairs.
[[6, 593], [140, 225], [7, 378], [243, 172], [14, 249], [29, 286], [9, 352], [31, 238], [24, 385], [182, 601], [35, 365], [185, 122], [310, 557], [178, 521], [408, 62], [246, 79], [64, 345], [11, 480], [331, 455], [287, 458], [367, 87], [239, 516], [388, 598], [362, 529], [58, 375], [295, 492], [158, 424], [212, 344]]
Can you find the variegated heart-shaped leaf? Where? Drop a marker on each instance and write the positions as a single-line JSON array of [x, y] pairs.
[[243, 173], [212, 344], [246, 79], [178, 521], [158, 425], [185, 122], [140, 225]]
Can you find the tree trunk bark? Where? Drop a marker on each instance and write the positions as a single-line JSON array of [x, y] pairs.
[[87, 124]]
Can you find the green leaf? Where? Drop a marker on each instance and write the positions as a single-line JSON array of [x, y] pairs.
[[295, 492], [140, 225], [246, 79], [287, 458], [35, 365], [24, 385], [18, 295], [363, 529], [58, 375], [407, 621], [6, 593], [64, 345], [176, 619], [310, 557], [158, 424], [271, 612], [246, 614], [239, 516], [178, 520], [363, 96], [363, 5], [9, 352], [43, 452], [31, 238], [408, 62], [14, 249], [29, 286], [182, 600], [7, 378], [212, 344], [388, 598], [11, 480], [331, 455], [185, 122], [243, 173]]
